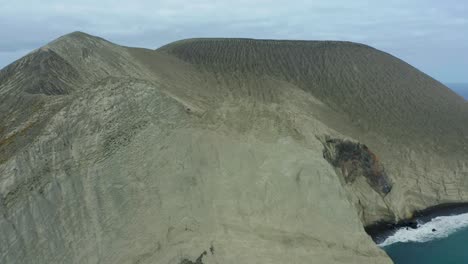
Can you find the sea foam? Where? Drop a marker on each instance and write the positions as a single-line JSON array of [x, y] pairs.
[[443, 225]]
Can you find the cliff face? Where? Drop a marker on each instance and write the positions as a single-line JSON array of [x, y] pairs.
[[218, 151]]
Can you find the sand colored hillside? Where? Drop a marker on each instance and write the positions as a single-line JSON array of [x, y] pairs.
[[218, 151]]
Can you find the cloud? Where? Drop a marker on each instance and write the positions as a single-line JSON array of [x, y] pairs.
[[413, 30]]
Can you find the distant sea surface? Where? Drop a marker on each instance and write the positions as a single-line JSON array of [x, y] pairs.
[[459, 88]]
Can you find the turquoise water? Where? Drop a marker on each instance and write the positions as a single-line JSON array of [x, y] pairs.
[[450, 250]]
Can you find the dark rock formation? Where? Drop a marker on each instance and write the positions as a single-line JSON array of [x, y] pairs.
[[355, 159], [199, 260]]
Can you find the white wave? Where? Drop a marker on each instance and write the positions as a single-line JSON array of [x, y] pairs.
[[443, 225]]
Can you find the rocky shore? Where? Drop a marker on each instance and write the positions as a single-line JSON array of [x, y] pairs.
[[381, 230]]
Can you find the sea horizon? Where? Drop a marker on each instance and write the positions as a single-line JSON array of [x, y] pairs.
[[459, 88]]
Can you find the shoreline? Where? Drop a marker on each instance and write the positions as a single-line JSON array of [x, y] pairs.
[[381, 230]]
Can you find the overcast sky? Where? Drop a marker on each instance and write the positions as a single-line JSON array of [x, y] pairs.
[[429, 34]]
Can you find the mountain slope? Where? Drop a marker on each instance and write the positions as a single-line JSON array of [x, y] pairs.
[[218, 151], [376, 91]]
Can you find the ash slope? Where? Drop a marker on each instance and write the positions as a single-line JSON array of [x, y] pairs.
[[219, 151], [378, 92]]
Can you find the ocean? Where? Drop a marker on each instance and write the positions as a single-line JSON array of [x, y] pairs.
[[443, 240], [461, 89]]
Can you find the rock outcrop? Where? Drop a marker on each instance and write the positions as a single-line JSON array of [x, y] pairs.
[[354, 160], [219, 151]]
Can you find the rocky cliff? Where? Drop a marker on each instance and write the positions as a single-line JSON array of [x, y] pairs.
[[219, 151]]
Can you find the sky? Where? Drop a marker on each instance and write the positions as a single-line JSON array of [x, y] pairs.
[[431, 35]]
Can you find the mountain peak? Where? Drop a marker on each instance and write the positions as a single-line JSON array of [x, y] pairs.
[[76, 38], [68, 57], [80, 35]]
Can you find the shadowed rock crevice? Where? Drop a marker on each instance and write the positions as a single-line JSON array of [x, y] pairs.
[[355, 159], [22, 189], [199, 260]]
